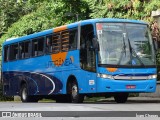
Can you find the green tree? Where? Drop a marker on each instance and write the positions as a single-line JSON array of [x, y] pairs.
[[36, 15], [48, 14], [130, 9], [11, 11], [79, 7]]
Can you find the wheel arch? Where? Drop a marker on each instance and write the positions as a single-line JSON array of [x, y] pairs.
[[22, 83], [71, 79]]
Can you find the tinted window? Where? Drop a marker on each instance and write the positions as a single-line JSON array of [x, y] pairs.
[[56, 43], [38, 47], [73, 35], [24, 49], [87, 56], [6, 51], [64, 41], [49, 44], [13, 52]]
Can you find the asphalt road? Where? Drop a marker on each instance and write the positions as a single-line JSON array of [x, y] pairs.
[[98, 106], [100, 109]]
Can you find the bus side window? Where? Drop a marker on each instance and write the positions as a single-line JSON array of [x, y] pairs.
[[56, 42], [6, 53], [73, 35], [38, 46], [13, 52], [48, 48], [87, 55], [64, 41], [41, 46], [27, 49], [21, 50], [34, 47]]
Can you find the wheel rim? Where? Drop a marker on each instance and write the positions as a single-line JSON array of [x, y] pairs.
[[74, 91], [24, 94]]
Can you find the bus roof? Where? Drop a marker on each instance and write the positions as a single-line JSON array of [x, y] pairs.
[[69, 26]]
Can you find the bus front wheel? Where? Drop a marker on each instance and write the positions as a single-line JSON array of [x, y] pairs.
[[74, 92], [24, 95], [121, 97]]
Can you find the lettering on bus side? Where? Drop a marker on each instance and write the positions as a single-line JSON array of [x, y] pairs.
[[57, 63]]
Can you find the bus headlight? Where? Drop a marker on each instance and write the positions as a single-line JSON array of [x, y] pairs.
[[152, 76], [104, 76]]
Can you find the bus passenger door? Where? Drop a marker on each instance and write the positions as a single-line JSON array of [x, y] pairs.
[[87, 58]]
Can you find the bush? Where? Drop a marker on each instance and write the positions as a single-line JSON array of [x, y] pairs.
[[4, 98]]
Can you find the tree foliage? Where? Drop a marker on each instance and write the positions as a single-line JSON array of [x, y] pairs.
[[23, 17], [49, 14], [19, 18], [4, 98], [131, 9], [11, 11]]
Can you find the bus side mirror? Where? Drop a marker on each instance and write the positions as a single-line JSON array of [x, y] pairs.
[[95, 44]]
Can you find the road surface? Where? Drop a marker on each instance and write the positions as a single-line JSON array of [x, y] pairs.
[[99, 109]]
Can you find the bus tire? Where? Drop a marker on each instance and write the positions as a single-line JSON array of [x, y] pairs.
[[121, 97], [24, 95], [75, 96]]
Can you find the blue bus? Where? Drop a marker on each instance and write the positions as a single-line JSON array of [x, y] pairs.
[[95, 57]]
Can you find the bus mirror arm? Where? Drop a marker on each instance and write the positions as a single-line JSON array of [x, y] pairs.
[[95, 44]]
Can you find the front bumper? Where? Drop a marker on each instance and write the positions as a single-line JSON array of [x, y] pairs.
[[111, 85]]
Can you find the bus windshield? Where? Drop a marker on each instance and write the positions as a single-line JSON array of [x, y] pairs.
[[125, 44]]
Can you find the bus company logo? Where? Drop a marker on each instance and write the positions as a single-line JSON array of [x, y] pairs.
[[68, 61], [60, 59]]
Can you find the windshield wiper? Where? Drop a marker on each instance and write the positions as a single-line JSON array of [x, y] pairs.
[[133, 51], [122, 52]]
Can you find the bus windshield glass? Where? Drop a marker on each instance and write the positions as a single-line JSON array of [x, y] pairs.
[[125, 44]]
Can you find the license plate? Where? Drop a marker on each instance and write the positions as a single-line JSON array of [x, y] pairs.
[[130, 86]]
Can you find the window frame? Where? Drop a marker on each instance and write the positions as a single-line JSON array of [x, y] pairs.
[[64, 40], [23, 42], [9, 57], [7, 54], [57, 44], [45, 44], [75, 35], [84, 48], [32, 46]]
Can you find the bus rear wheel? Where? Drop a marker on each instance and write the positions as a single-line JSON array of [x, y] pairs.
[[121, 97], [24, 95], [74, 92]]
